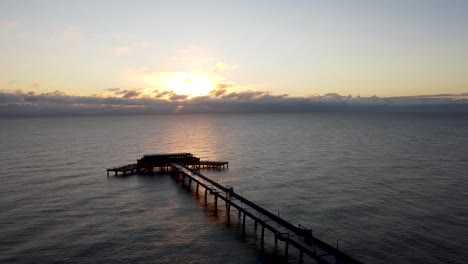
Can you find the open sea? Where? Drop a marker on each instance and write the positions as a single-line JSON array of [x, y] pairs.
[[390, 187]]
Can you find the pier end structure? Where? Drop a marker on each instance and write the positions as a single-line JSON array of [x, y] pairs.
[[152, 163], [149, 162]]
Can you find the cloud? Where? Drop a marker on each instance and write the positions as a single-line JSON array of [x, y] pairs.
[[139, 93], [178, 97], [221, 66], [124, 93], [130, 94], [195, 59], [134, 101]]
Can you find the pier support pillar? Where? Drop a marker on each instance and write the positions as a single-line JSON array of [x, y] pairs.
[[216, 204], [228, 212], [197, 189], [206, 193], [189, 183], [243, 223], [263, 235], [286, 250], [239, 213], [255, 224], [301, 256]]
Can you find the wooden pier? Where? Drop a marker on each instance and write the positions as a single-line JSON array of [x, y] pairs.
[[291, 235]]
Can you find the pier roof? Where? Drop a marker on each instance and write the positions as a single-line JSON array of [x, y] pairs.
[[168, 154]]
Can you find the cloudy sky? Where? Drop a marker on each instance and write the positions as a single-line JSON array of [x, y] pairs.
[[184, 51]]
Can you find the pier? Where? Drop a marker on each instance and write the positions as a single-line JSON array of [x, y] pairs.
[[186, 169], [152, 163]]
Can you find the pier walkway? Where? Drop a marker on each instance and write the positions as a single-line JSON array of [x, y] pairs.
[[296, 236]]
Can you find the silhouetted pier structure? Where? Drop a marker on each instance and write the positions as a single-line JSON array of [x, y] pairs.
[[186, 170], [152, 163], [213, 164]]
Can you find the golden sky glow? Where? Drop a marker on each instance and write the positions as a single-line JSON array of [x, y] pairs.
[[183, 83], [383, 48]]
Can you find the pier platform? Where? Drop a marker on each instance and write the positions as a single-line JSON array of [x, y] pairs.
[[213, 164], [123, 170]]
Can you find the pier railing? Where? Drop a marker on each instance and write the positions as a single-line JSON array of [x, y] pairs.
[[302, 239]]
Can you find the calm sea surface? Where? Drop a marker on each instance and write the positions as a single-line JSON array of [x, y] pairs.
[[392, 188]]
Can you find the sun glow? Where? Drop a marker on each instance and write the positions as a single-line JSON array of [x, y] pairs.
[[181, 83], [189, 84]]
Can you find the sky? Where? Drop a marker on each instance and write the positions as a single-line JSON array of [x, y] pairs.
[[182, 50]]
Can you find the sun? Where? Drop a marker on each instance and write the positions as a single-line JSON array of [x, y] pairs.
[[189, 84]]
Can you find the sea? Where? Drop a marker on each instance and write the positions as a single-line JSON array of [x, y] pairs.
[[383, 187]]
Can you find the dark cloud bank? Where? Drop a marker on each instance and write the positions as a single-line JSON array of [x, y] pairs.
[[219, 101]]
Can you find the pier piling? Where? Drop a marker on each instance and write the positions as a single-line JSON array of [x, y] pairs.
[[263, 236], [243, 223]]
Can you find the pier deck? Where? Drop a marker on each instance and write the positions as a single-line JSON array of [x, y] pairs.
[[213, 164], [297, 236], [124, 170]]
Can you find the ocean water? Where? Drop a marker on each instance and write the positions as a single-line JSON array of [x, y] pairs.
[[390, 187]]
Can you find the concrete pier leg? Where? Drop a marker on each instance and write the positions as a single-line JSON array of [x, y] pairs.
[[255, 224], [286, 250], [239, 213], [216, 204], [243, 223], [301, 256], [228, 213], [189, 183], [263, 235], [197, 189], [206, 194], [276, 240]]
